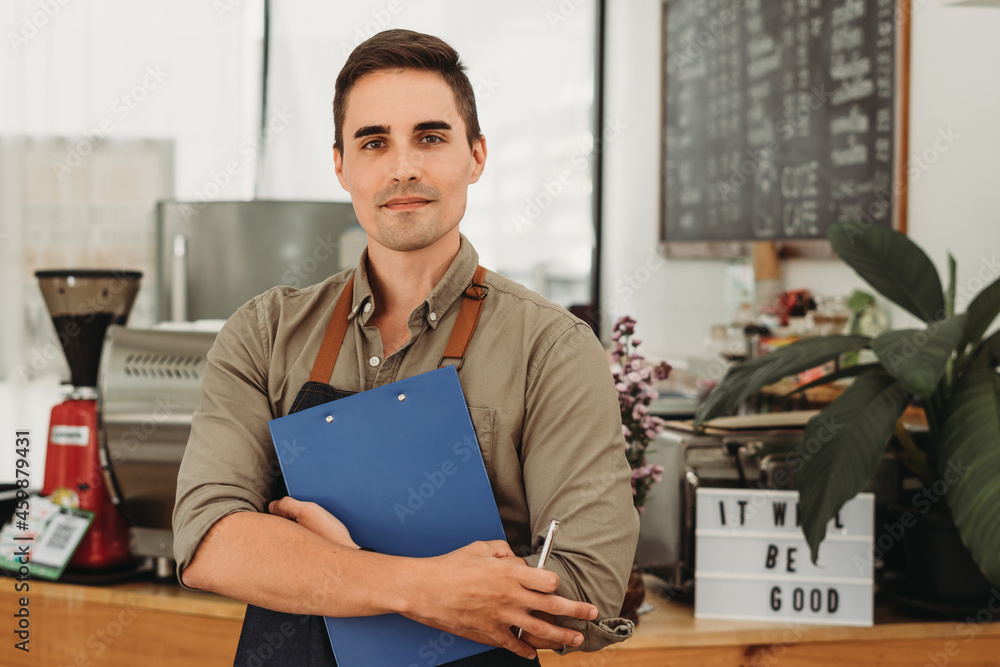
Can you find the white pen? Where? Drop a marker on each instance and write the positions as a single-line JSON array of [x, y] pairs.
[[546, 548]]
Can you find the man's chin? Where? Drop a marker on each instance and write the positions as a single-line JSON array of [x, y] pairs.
[[401, 236], [403, 242]]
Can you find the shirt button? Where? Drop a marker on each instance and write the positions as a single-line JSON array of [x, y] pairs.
[[432, 317], [373, 361], [368, 307]]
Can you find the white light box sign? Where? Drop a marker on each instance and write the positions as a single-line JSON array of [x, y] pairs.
[[752, 560]]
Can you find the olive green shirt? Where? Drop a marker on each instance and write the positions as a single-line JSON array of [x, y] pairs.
[[539, 392]]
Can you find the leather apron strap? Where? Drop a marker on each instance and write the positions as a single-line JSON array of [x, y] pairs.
[[333, 338], [458, 342], [468, 318]]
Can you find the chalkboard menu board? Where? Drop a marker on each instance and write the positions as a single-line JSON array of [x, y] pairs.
[[781, 117]]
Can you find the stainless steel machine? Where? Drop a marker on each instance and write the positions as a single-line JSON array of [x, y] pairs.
[[746, 457], [149, 388], [212, 257]]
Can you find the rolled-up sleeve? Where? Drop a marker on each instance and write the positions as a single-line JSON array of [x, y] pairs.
[[575, 470], [229, 463]]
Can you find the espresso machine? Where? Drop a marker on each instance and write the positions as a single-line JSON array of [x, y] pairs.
[[83, 304]]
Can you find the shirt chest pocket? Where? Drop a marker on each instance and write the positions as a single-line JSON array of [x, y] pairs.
[[483, 422]]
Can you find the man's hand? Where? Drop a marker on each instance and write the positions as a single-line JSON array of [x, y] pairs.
[[314, 518], [481, 591], [538, 642]]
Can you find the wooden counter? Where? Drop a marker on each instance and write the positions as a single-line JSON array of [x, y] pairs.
[[152, 625]]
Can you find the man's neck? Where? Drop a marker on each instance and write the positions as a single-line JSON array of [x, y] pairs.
[[401, 280]]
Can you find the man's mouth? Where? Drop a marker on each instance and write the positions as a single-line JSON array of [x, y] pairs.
[[405, 203]]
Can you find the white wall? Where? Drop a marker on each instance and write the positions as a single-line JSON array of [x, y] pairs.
[[955, 83]]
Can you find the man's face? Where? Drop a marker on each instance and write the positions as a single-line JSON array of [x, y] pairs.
[[406, 161]]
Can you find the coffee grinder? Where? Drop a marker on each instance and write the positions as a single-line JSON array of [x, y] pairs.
[[83, 304]]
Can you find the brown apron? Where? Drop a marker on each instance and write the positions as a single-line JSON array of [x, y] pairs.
[[270, 638]]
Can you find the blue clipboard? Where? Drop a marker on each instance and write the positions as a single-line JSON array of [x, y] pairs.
[[400, 466]]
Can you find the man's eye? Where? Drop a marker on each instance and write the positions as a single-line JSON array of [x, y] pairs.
[[432, 139], [374, 143]]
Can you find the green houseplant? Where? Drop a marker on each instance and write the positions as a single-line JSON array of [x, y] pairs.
[[948, 364]]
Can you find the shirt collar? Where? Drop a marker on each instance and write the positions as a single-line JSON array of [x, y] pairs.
[[451, 286]]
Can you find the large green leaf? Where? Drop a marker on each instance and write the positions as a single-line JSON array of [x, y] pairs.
[[969, 466], [892, 264], [982, 311], [987, 353], [918, 357], [745, 378], [841, 448]]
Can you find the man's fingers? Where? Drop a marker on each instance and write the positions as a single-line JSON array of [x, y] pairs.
[[538, 642], [283, 507], [549, 632], [543, 581], [499, 548], [515, 645], [560, 606], [313, 517], [288, 507]]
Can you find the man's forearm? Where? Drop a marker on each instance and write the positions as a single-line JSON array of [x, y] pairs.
[[275, 563], [477, 592]]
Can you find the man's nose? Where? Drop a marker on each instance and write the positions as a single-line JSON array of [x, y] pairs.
[[406, 165]]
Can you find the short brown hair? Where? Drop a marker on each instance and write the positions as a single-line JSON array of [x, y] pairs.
[[406, 49]]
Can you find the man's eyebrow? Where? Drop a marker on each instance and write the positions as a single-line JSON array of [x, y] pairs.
[[431, 125], [369, 130]]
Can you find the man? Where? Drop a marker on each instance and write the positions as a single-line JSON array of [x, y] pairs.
[[536, 380]]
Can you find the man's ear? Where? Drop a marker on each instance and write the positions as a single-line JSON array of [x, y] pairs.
[[479, 158], [338, 166]]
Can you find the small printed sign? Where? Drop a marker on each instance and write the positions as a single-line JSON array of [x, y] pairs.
[[752, 560], [41, 537], [70, 435]]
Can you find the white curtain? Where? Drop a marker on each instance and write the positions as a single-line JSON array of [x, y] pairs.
[[107, 106], [532, 66]]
